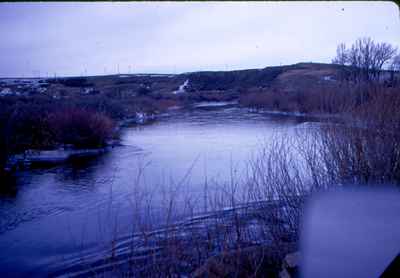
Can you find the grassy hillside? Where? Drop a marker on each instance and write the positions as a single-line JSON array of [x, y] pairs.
[[41, 113], [201, 86]]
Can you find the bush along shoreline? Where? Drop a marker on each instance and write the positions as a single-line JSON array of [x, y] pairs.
[[39, 134]]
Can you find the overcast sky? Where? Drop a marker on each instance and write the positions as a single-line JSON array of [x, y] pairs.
[[98, 38]]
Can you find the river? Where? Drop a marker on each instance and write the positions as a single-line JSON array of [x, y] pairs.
[[48, 217]]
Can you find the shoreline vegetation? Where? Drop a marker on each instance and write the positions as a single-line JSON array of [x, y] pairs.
[[38, 123], [38, 129], [251, 238]]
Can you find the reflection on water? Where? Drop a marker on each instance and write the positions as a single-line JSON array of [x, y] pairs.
[[50, 215]]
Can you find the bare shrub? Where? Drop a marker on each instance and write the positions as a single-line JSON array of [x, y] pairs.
[[271, 100], [341, 55], [395, 65], [105, 104], [325, 100], [256, 100], [366, 148], [164, 104], [28, 127], [81, 128], [283, 174]]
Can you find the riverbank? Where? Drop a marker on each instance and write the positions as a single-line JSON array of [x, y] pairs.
[[36, 158], [42, 158]]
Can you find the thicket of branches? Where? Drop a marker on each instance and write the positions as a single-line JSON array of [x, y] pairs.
[[42, 124], [367, 57]]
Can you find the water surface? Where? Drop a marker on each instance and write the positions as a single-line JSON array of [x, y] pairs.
[[49, 217]]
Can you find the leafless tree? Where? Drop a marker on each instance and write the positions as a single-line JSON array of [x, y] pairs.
[[366, 56], [395, 66], [394, 71], [341, 55]]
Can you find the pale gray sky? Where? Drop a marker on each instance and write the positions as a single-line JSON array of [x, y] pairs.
[[97, 38]]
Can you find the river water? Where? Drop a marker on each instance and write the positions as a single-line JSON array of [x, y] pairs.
[[49, 217]]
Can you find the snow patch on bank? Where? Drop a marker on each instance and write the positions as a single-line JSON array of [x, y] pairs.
[[6, 92], [50, 157], [328, 78], [274, 112], [214, 103], [182, 88], [142, 118]]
